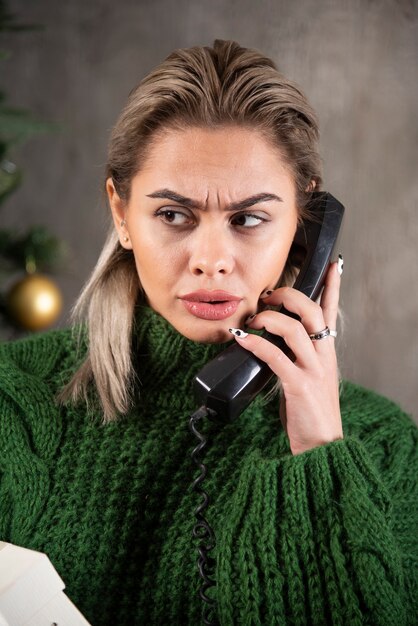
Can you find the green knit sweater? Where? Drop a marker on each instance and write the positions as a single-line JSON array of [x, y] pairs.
[[326, 537]]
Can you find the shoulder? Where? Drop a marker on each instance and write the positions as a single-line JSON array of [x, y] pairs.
[[369, 415], [32, 371], [42, 356]]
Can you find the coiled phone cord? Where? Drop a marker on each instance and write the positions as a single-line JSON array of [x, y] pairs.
[[202, 529]]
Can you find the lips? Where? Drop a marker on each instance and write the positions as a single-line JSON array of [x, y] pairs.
[[211, 305]]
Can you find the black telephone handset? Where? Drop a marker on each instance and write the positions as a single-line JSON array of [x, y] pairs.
[[227, 384]]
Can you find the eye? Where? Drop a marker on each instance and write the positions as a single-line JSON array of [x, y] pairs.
[[174, 218], [247, 220]]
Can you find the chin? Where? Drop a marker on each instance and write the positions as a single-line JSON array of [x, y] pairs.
[[204, 332], [220, 335]]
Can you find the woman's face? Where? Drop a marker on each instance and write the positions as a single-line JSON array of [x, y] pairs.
[[211, 218]]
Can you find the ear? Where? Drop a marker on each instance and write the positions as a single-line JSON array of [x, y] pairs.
[[118, 208], [311, 186]]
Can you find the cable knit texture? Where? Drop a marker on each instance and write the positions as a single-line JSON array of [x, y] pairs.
[[326, 537]]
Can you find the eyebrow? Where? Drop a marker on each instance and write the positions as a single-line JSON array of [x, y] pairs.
[[195, 204]]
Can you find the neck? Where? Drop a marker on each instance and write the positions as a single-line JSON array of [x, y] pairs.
[[165, 358]]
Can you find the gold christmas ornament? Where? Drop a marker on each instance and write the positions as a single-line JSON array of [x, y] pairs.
[[34, 302]]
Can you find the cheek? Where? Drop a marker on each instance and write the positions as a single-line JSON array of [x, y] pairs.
[[267, 265], [156, 265]]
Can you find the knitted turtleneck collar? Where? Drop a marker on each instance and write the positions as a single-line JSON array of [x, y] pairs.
[[163, 354]]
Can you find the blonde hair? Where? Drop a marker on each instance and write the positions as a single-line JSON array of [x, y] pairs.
[[206, 87]]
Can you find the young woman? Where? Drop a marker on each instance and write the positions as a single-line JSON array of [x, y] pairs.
[[211, 168]]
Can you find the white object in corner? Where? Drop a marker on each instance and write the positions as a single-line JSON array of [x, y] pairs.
[[31, 592]]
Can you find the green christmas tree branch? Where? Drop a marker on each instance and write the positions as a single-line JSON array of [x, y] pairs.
[[34, 250]]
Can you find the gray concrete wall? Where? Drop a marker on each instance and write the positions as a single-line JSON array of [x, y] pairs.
[[358, 63]]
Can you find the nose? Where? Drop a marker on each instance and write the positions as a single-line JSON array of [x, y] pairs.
[[211, 253]]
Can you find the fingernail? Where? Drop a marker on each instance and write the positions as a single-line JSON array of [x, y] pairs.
[[250, 318], [267, 293], [340, 266], [238, 333]]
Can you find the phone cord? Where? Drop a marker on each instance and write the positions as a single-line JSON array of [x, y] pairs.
[[202, 530]]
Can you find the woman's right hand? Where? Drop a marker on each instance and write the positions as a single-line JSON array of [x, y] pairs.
[[310, 409]]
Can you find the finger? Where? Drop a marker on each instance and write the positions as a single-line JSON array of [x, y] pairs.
[[331, 295], [293, 333], [278, 362], [310, 312], [282, 412]]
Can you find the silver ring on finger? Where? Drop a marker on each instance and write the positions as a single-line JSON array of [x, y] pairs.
[[320, 334]]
